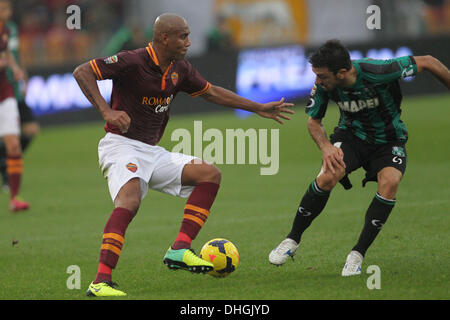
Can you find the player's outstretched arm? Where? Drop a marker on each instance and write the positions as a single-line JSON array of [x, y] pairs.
[[88, 84], [436, 67], [272, 110]]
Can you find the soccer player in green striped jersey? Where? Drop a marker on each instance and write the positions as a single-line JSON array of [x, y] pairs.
[[369, 134]]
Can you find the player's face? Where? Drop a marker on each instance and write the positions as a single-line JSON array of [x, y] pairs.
[[179, 43], [5, 11], [326, 78]]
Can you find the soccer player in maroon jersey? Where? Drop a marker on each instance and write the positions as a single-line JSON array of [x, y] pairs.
[[145, 81], [9, 114]]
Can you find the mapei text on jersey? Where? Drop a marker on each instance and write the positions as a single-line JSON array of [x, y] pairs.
[[358, 105]]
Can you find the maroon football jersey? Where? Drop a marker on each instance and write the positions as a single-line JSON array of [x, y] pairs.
[[144, 91], [6, 89]]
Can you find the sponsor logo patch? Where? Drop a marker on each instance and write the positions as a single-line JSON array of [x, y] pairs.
[[398, 151], [132, 167], [174, 78], [112, 59]]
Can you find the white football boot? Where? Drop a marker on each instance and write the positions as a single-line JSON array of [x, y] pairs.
[[287, 248], [352, 266]]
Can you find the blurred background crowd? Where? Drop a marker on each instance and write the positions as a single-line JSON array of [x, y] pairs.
[[107, 26]]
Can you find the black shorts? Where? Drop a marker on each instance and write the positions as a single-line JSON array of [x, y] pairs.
[[26, 114], [371, 157]]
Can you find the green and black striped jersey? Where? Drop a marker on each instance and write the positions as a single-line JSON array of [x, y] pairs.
[[370, 108]]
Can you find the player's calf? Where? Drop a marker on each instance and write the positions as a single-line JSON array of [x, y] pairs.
[[376, 216]]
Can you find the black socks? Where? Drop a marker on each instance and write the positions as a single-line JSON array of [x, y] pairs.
[[314, 201], [310, 207], [376, 216]]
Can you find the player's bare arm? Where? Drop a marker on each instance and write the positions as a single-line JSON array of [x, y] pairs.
[[88, 84], [436, 67], [332, 156], [272, 110]]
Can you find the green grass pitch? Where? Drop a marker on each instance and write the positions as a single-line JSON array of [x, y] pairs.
[[70, 205]]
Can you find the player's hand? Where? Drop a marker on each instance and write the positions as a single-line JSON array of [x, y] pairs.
[[118, 118], [333, 158], [274, 110]]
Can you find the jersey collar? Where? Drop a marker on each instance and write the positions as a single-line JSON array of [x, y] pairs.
[[358, 77], [152, 53]]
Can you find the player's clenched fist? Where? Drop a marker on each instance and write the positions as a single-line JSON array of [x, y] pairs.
[[118, 118]]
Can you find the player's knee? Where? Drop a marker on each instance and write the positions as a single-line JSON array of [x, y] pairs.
[[388, 184], [195, 173], [13, 146], [390, 177], [209, 173], [14, 150], [129, 196], [134, 205], [213, 174], [131, 203], [327, 181]]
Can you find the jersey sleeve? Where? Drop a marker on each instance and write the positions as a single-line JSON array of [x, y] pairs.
[[114, 66], [193, 83], [385, 71], [317, 103]]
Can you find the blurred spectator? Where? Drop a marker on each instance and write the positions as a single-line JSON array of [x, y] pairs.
[[437, 16], [128, 38], [45, 38], [220, 36]]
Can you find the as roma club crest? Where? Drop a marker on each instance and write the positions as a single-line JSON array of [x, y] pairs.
[[112, 59], [132, 167], [174, 78]]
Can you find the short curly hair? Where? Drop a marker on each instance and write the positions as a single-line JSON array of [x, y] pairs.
[[333, 55]]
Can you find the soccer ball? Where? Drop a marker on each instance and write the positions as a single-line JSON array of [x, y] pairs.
[[223, 254]]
